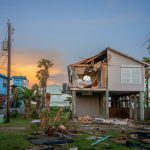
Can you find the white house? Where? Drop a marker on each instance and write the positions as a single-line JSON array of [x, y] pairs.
[[57, 97]]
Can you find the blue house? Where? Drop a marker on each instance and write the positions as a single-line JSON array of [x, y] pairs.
[[3, 84], [19, 81]]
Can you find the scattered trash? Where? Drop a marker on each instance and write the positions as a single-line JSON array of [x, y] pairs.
[[130, 123], [73, 148], [140, 135], [36, 121], [111, 121], [62, 127], [101, 139], [61, 135], [92, 138]]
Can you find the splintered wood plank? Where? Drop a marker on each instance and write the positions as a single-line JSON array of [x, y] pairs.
[[104, 75], [80, 70]]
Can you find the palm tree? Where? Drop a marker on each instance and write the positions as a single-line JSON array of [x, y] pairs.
[[43, 74], [38, 98], [26, 95]]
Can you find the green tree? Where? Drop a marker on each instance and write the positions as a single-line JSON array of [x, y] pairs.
[[38, 98], [43, 74], [26, 95], [147, 70]]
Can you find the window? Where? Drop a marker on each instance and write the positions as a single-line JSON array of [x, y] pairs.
[[4, 83], [131, 75]]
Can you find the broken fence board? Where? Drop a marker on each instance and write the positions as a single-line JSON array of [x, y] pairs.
[[100, 140]]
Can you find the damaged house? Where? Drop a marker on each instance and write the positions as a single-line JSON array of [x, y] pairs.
[[110, 84]]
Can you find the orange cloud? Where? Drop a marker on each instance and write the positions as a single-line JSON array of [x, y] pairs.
[[24, 62]]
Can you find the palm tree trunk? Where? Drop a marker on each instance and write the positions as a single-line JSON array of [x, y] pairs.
[[28, 109]]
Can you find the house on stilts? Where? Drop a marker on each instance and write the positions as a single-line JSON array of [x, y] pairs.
[[109, 84]]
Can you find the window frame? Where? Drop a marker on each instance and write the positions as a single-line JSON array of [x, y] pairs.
[[131, 74]]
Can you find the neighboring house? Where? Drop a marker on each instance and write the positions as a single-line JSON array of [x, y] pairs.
[[57, 97], [15, 80], [19, 81], [3, 84], [110, 84]]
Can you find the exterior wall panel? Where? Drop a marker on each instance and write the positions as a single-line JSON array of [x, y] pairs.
[[87, 105], [114, 73]]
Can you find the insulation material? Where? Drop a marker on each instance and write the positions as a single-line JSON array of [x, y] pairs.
[[81, 83], [97, 66], [80, 70]]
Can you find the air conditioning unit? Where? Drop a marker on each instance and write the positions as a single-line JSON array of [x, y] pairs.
[[65, 88]]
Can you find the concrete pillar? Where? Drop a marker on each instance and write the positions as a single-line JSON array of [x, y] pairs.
[[74, 113], [135, 107], [130, 108], [101, 107], [106, 105], [141, 106]]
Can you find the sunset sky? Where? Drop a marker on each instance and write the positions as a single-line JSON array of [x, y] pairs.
[[67, 30]]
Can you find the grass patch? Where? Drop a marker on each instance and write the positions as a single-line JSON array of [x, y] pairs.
[[13, 141], [17, 122], [83, 144]]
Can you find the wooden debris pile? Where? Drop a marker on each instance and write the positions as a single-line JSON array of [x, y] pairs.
[[85, 120], [53, 127]]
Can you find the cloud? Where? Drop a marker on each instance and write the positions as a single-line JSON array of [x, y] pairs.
[[24, 62]]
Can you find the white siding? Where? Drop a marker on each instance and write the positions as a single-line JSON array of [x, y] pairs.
[[114, 73], [130, 75]]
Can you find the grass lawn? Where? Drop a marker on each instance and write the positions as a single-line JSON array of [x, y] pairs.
[[13, 135], [17, 122], [13, 141]]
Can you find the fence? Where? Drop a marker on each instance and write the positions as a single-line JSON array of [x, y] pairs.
[[20, 110]]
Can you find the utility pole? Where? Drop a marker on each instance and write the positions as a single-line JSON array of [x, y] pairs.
[[8, 68]]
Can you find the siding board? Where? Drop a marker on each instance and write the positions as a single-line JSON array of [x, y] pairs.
[[114, 73]]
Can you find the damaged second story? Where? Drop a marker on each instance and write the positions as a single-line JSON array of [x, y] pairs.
[[111, 70]]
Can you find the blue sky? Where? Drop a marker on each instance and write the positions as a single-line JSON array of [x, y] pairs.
[[65, 30]]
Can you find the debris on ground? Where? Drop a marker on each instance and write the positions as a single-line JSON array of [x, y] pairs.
[[62, 127], [57, 118], [85, 120], [36, 121], [92, 138], [91, 130], [73, 148], [128, 122], [101, 139], [139, 139]]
